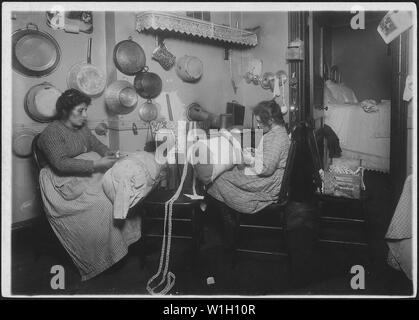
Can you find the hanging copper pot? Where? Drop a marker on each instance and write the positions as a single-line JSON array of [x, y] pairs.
[[148, 111], [129, 57], [148, 84]]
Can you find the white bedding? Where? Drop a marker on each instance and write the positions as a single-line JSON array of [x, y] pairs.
[[362, 135]]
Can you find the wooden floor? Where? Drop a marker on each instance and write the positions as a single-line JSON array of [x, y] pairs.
[[327, 273]]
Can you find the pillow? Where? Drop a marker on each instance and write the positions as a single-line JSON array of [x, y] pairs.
[[348, 94], [340, 92], [328, 97], [336, 91]]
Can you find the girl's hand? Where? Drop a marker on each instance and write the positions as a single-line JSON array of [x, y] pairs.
[[248, 158]]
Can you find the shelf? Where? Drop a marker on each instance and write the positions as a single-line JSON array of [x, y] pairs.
[[162, 21]]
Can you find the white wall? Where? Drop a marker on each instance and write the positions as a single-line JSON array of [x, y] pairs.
[[213, 91]]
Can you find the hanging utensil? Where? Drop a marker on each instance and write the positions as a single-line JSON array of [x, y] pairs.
[[148, 84], [148, 111], [163, 56], [120, 97], [22, 142], [86, 77], [34, 53], [40, 102], [189, 69], [129, 57], [169, 107]]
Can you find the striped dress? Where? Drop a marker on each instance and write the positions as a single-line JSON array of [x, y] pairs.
[[251, 193], [76, 206]]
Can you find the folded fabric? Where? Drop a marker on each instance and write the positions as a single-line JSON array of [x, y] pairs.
[[130, 180], [369, 105], [335, 91]]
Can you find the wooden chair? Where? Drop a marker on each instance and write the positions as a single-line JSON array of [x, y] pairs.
[[267, 224], [187, 218]]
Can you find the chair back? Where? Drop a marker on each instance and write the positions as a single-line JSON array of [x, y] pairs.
[[37, 154], [315, 154], [289, 167]]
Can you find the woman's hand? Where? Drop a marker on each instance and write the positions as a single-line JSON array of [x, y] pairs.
[[104, 163], [114, 154], [248, 158]]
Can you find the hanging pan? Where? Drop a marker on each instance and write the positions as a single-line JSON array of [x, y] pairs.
[[147, 84], [86, 77], [120, 97], [148, 111], [34, 53], [40, 102], [129, 57]]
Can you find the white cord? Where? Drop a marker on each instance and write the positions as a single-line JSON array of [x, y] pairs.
[[168, 276]]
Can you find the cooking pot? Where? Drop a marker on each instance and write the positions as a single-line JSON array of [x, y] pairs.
[[129, 57], [147, 84], [86, 77], [35, 53], [40, 101], [189, 68], [120, 97], [148, 111]]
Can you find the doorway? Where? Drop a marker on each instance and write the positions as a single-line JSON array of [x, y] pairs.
[[316, 30]]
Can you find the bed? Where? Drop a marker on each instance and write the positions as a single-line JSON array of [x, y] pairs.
[[363, 127]]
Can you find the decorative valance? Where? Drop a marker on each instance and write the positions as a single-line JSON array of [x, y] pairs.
[[163, 21]]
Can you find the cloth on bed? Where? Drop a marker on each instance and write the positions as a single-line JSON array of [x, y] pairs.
[[130, 180], [356, 130], [251, 193], [81, 216], [382, 129], [369, 105], [399, 233]]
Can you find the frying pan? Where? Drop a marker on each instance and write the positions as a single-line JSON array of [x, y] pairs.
[[129, 57], [35, 53], [86, 77]]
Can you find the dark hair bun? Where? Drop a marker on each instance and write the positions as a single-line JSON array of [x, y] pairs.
[[68, 100]]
